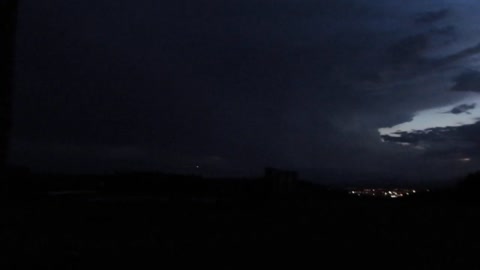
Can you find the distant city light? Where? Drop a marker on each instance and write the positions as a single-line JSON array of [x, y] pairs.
[[392, 193], [465, 159]]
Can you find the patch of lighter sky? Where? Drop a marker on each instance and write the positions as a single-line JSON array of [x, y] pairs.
[[438, 117]]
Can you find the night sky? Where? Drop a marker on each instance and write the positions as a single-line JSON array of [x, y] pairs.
[[345, 90]]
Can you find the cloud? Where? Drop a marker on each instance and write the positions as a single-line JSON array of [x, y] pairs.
[[467, 81], [416, 137], [432, 16], [77, 156], [465, 53], [448, 30], [463, 108], [202, 75], [447, 143], [408, 50]]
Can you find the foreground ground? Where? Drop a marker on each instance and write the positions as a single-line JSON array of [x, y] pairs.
[[81, 231]]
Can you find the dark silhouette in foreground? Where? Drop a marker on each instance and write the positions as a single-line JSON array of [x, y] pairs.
[[72, 222], [8, 17]]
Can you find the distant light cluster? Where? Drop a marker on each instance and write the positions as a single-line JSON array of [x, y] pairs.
[[383, 193]]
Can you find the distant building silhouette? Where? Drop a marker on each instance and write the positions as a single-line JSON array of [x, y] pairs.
[[8, 16], [468, 187], [281, 181]]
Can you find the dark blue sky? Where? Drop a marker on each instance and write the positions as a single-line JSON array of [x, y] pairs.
[[233, 86]]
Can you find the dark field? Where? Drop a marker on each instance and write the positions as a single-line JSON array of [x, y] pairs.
[[83, 230]]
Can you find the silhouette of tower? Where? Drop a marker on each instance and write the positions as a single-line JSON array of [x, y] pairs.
[[8, 17], [281, 181]]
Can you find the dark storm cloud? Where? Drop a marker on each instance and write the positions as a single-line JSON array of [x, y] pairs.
[[455, 57], [418, 136], [432, 16], [463, 108], [467, 81], [200, 81], [406, 59], [409, 52], [79, 157], [229, 85], [449, 143], [446, 30], [454, 144]]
